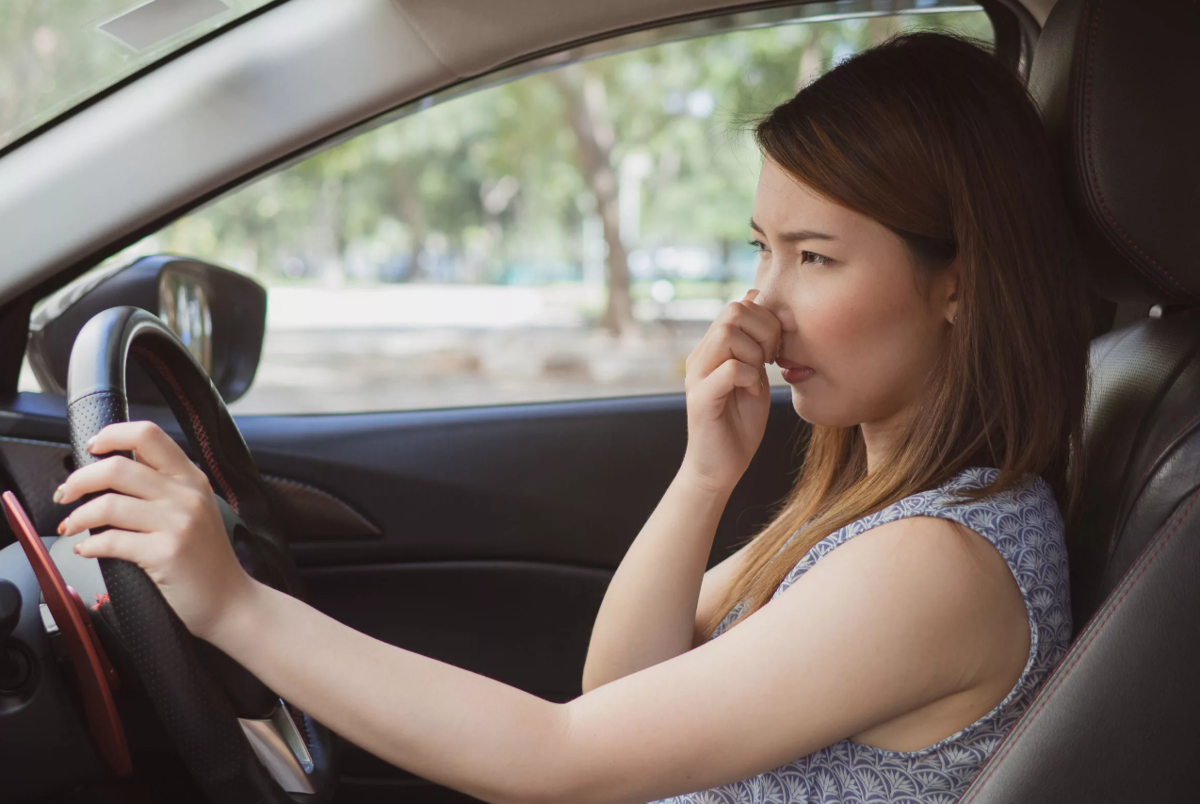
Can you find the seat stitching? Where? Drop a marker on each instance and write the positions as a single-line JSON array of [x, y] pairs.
[[1079, 651]]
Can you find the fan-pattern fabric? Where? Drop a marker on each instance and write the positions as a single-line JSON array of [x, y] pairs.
[[1026, 527]]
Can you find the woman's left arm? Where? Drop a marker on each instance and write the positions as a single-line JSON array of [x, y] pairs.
[[885, 624]]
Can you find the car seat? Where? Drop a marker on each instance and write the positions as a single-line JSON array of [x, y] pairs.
[[1119, 719]]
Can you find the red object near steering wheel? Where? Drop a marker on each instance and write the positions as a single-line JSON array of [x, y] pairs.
[[97, 679]]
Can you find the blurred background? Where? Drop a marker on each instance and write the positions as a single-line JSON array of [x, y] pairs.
[[569, 234]]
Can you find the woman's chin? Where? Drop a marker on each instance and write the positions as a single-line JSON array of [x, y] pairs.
[[818, 414], [801, 405]]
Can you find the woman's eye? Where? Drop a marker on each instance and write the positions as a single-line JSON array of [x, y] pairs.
[[758, 245], [812, 256]]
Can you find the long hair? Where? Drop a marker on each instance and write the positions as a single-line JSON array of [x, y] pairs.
[[932, 137]]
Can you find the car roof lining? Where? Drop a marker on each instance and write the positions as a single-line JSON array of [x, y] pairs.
[[198, 124]]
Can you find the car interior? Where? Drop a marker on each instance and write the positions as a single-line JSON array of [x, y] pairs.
[[485, 536]]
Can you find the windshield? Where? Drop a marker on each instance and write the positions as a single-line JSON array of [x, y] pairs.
[[54, 55]]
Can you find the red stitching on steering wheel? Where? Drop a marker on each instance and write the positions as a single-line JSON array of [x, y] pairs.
[[194, 420]]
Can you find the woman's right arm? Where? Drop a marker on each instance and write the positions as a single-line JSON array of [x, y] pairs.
[[712, 591], [660, 595], [649, 610]]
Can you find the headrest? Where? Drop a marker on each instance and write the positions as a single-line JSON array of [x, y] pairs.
[[1118, 82]]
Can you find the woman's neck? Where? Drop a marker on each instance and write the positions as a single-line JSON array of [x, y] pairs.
[[882, 437]]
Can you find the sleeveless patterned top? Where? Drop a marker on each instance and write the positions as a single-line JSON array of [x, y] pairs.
[[1026, 528]]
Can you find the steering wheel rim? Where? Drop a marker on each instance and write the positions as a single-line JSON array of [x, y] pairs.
[[190, 704]]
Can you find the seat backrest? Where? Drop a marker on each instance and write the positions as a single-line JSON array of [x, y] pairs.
[[1116, 722]]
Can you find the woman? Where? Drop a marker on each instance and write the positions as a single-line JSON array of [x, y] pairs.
[[918, 286]]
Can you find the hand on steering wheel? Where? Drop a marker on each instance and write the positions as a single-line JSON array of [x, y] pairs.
[[162, 515], [169, 557]]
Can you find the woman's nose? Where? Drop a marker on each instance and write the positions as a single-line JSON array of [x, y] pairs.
[[771, 297]]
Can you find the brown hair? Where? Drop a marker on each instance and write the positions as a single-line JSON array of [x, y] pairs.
[[932, 137]]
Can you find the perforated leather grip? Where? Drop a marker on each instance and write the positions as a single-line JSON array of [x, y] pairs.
[[189, 703], [97, 373], [90, 415], [193, 709]]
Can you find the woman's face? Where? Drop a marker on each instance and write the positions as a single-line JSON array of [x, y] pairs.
[[866, 329]]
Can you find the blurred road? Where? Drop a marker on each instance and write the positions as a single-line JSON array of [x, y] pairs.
[[407, 347]]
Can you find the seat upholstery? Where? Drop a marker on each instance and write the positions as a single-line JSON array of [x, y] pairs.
[[1144, 450], [1116, 722], [1116, 81]]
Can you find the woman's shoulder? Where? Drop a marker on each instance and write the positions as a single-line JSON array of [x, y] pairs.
[[1028, 504], [1022, 521], [1031, 500]]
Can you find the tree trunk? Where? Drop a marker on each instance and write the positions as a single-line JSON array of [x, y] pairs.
[[587, 115], [411, 210]]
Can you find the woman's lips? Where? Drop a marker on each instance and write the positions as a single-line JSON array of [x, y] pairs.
[[794, 372]]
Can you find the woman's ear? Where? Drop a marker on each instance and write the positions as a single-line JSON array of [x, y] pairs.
[[948, 291]]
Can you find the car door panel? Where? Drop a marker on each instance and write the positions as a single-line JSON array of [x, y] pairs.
[[483, 537]]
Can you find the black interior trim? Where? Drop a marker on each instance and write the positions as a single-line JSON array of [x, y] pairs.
[[14, 329], [480, 483], [1016, 34]]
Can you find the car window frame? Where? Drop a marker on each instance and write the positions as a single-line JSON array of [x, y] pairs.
[[1014, 28]]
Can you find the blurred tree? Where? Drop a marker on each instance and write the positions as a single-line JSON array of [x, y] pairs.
[[586, 103], [491, 186]]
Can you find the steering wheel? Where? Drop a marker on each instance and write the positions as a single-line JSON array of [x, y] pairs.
[[192, 686]]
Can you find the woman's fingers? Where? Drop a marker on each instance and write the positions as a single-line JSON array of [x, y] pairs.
[[116, 473], [149, 443], [116, 511], [730, 375], [144, 549], [761, 324], [745, 318], [728, 342], [758, 322]]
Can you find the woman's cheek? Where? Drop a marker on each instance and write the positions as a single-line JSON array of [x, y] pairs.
[[823, 333], [856, 342], [833, 328], [760, 273], [892, 363]]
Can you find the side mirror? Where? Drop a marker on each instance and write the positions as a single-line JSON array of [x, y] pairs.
[[219, 314]]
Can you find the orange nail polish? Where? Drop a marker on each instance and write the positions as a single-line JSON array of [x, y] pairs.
[[62, 527]]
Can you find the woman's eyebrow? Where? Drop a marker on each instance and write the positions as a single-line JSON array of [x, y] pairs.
[[795, 237]]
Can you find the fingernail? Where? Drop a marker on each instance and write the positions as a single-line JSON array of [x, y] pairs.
[[91, 442], [754, 291], [62, 527], [59, 493], [76, 549]]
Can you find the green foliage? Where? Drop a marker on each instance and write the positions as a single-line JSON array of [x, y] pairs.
[[52, 55], [471, 190]]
